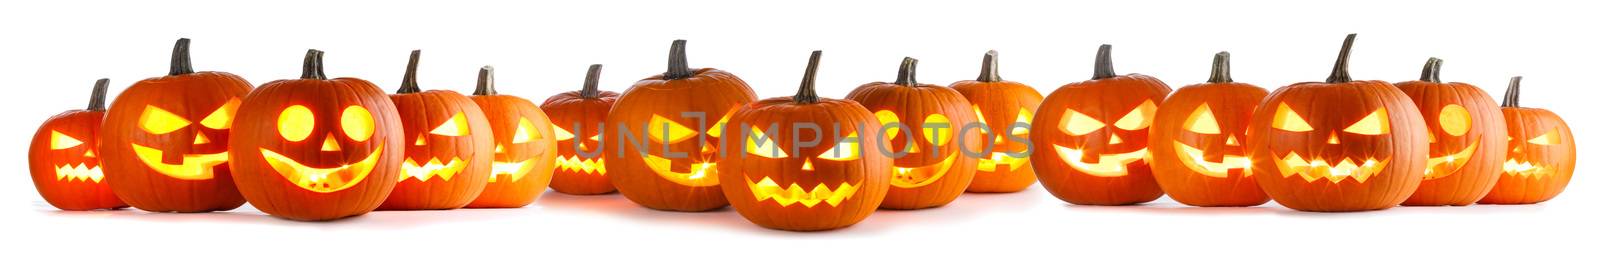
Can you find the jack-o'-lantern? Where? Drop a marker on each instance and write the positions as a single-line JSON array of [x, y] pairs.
[[524, 147], [1466, 134], [1197, 146], [165, 140], [1092, 137], [1542, 155], [63, 162], [316, 148], [806, 163], [668, 132], [1006, 108], [1339, 145], [448, 158], [925, 130], [578, 117]]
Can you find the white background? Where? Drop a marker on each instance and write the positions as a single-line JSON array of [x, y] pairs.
[[53, 50]]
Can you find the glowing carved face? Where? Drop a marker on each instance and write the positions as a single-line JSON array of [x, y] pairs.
[[1311, 166], [1454, 122], [839, 157], [1520, 163], [511, 166], [1000, 147], [574, 163], [159, 123], [697, 170], [85, 169], [455, 126], [1112, 156], [1219, 160], [921, 166], [296, 123]]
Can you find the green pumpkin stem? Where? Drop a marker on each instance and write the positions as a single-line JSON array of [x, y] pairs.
[[908, 72], [1102, 63], [678, 62], [180, 59], [1513, 98], [991, 67], [808, 83], [312, 70], [1221, 69], [1430, 70], [97, 99], [591, 83], [408, 84], [485, 82], [1341, 67]]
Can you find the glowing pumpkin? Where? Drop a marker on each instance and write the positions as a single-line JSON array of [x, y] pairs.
[[524, 154], [1466, 134], [578, 117], [63, 162], [924, 127], [1197, 142], [1542, 154], [1006, 108], [448, 158], [1092, 136]]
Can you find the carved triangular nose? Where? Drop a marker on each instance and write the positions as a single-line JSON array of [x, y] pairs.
[[421, 140], [89, 153], [328, 145], [1115, 139], [200, 139], [911, 147], [499, 148], [807, 166], [1232, 141], [1333, 138], [1431, 139]]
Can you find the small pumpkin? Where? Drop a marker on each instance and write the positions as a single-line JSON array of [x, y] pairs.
[[1466, 134], [165, 140], [925, 127], [1197, 142], [524, 147], [791, 175], [1542, 156], [1006, 108], [1339, 145], [450, 151], [316, 148], [578, 118], [1092, 137], [63, 162]]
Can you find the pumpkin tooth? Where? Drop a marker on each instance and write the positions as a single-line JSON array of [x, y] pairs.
[[767, 189], [1195, 159], [194, 166], [1110, 165], [80, 172], [703, 174], [1311, 171], [1524, 168], [411, 170], [578, 164]]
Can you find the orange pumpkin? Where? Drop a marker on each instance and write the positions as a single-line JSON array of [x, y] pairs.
[[1542, 154], [524, 147], [1339, 145], [1197, 142], [578, 117], [806, 163], [1099, 130], [317, 148], [925, 126], [1466, 134], [451, 147], [63, 162], [165, 140], [1006, 108]]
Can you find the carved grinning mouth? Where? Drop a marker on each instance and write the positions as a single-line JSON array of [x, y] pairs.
[[513, 170], [1445, 165], [583, 165], [703, 174], [321, 180], [1195, 160], [911, 177], [194, 166], [1525, 168], [767, 189], [411, 170], [1319, 169], [1110, 165], [80, 172], [998, 158]]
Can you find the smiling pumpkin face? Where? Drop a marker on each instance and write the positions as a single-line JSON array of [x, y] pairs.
[[448, 160], [64, 161], [1197, 142], [576, 117], [1092, 137], [1466, 133], [1542, 154], [922, 124]]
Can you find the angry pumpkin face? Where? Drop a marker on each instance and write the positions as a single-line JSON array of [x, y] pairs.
[[1197, 142], [64, 161], [523, 147], [1092, 137], [1542, 153]]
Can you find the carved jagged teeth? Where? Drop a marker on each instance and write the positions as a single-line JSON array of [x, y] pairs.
[[997, 158], [576, 164], [767, 189], [1523, 168], [79, 172], [411, 170], [1320, 169]]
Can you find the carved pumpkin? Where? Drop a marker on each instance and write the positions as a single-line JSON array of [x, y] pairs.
[[1092, 135], [1466, 134], [1006, 108], [1339, 145], [317, 148], [1197, 142], [578, 117], [924, 125], [668, 131], [165, 139], [524, 147], [451, 147], [63, 162], [1542, 154], [806, 163]]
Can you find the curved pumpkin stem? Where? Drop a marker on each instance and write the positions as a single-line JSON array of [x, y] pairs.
[[485, 82], [1513, 98], [408, 84], [908, 72], [97, 99], [678, 62], [1221, 69], [991, 67], [312, 69], [1341, 67], [180, 59], [1430, 70], [808, 83], [591, 83], [1102, 63]]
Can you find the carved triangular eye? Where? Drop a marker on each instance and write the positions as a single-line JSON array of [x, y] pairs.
[[665, 130], [848, 148], [1548, 138], [157, 121], [1078, 124], [1025, 118], [1140, 118], [456, 126], [60, 141], [1288, 120], [561, 133], [759, 144], [716, 129], [1203, 121], [222, 118], [1375, 123], [526, 133]]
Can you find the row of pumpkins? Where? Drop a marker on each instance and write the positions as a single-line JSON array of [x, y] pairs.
[[315, 148]]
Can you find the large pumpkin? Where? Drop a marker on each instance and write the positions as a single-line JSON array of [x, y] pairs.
[[1091, 137], [451, 147], [925, 126], [1339, 145], [63, 162], [1197, 141], [578, 117], [524, 147], [668, 131], [317, 148], [1466, 134], [165, 140], [806, 163], [1006, 108], [1542, 154]]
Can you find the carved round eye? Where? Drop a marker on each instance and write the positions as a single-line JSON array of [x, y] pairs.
[[760, 145], [356, 122], [1077, 124], [936, 128], [295, 123], [1454, 120], [1203, 121], [157, 121], [847, 149], [886, 117], [1288, 120]]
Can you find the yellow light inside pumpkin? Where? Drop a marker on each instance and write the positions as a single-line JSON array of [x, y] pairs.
[[455, 127], [886, 117], [768, 148], [561, 133], [157, 121], [1287, 120], [222, 118], [671, 130], [1140, 118], [767, 189], [60, 141], [295, 123], [1375, 123], [1078, 124], [356, 122], [1203, 121], [1548, 138], [936, 128], [847, 149], [1454, 120], [525, 132], [1024, 117]]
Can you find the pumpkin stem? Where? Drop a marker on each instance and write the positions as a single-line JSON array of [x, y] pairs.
[[1341, 69], [1430, 70], [408, 84], [591, 83], [1221, 71], [678, 62], [97, 99], [991, 67], [1102, 63], [808, 83], [1513, 96], [180, 59], [908, 72], [312, 70], [485, 82]]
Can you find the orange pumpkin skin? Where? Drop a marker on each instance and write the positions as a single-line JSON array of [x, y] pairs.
[[1536, 169], [1000, 104], [1197, 142], [190, 150], [1461, 119], [63, 162], [329, 160], [930, 173], [686, 183], [524, 166], [1112, 165], [447, 162], [576, 174], [1325, 124]]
